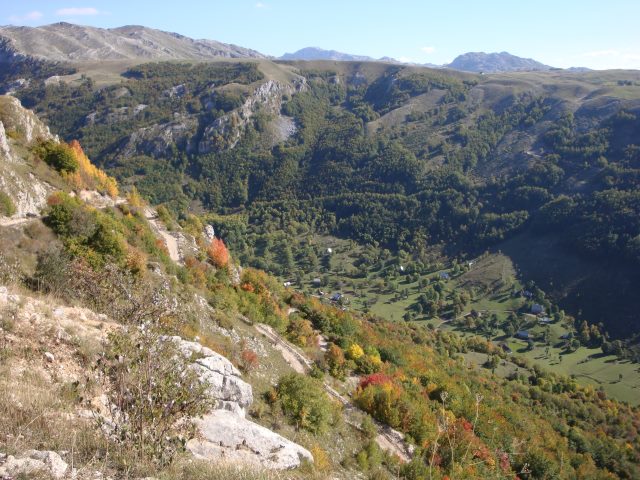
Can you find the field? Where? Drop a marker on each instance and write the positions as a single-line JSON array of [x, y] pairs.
[[382, 288]]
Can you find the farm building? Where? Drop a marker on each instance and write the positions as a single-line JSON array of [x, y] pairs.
[[537, 309]]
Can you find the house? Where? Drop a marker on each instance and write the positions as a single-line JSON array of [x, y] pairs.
[[537, 309], [566, 336], [522, 335], [544, 321], [444, 276], [316, 282], [287, 284], [336, 297]]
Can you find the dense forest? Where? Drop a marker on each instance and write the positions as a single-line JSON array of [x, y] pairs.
[[400, 158]]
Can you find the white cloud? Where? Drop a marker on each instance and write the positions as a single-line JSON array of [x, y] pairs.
[[77, 11], [406, 60], [260, 5], [27, 17], [611, 58], [428, 49]]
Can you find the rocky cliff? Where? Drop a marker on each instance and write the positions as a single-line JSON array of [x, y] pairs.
[[19, 128]]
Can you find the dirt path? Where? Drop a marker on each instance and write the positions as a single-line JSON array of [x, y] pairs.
[[13, 222], [387, 438], [292, 356], [169, 240]]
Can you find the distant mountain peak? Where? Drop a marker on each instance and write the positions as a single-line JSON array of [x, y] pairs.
[[495, 62], [317, 53]]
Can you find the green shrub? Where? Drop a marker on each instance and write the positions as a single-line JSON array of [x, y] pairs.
[[90, 234], [58, 156], [304, 402], [7, 208]]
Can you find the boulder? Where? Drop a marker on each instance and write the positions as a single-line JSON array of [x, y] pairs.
[[224, 433], [33, 462], [228, 437]]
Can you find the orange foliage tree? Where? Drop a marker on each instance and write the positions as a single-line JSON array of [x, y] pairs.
[[218, 253]]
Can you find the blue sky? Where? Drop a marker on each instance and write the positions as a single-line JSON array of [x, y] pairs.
[[563, 33]]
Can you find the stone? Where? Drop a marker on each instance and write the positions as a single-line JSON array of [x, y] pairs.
[[32, 462], [49, 357], [232, 438], [209, 233], [224, 433]]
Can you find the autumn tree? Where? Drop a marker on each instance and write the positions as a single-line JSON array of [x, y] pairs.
[[218, 253]]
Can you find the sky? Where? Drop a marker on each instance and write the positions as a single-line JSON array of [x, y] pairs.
[[561, 33]]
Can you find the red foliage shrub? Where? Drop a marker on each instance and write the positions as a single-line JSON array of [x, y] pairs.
[[377, 378], [248, 360]]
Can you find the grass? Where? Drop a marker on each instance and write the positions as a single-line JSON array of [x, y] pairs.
[[492, 278]]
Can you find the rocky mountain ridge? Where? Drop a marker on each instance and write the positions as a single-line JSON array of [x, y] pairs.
[[66, 42], [495, 62]]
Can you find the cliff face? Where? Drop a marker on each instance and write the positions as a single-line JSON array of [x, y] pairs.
[[19, 129]]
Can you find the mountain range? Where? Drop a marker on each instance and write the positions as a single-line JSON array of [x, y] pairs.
[[467, 62], [344, 269], [66, 42]]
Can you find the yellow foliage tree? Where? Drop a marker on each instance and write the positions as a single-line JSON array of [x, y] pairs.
[[355, 351], [88, 176]]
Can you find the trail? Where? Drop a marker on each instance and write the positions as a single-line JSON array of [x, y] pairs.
[[13, 222], [169, 240], [387, 438]]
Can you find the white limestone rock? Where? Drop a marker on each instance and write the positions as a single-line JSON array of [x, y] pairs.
[[33, 462], [230, 438]]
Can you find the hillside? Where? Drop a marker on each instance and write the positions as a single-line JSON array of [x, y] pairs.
[[495, 62], [381, 154], [119, 361], [66, 42]]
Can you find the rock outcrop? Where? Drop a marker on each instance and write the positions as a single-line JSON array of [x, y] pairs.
[[161, 140], [34, 462], [20, 126], [227, 130], [224, 433]]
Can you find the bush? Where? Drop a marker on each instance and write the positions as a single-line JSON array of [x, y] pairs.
[[218, 253], [304, 401], [58, 156], [153, 394], [7, 208]]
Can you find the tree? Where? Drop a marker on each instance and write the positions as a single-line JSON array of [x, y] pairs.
[[218, 253], [305, 402]]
